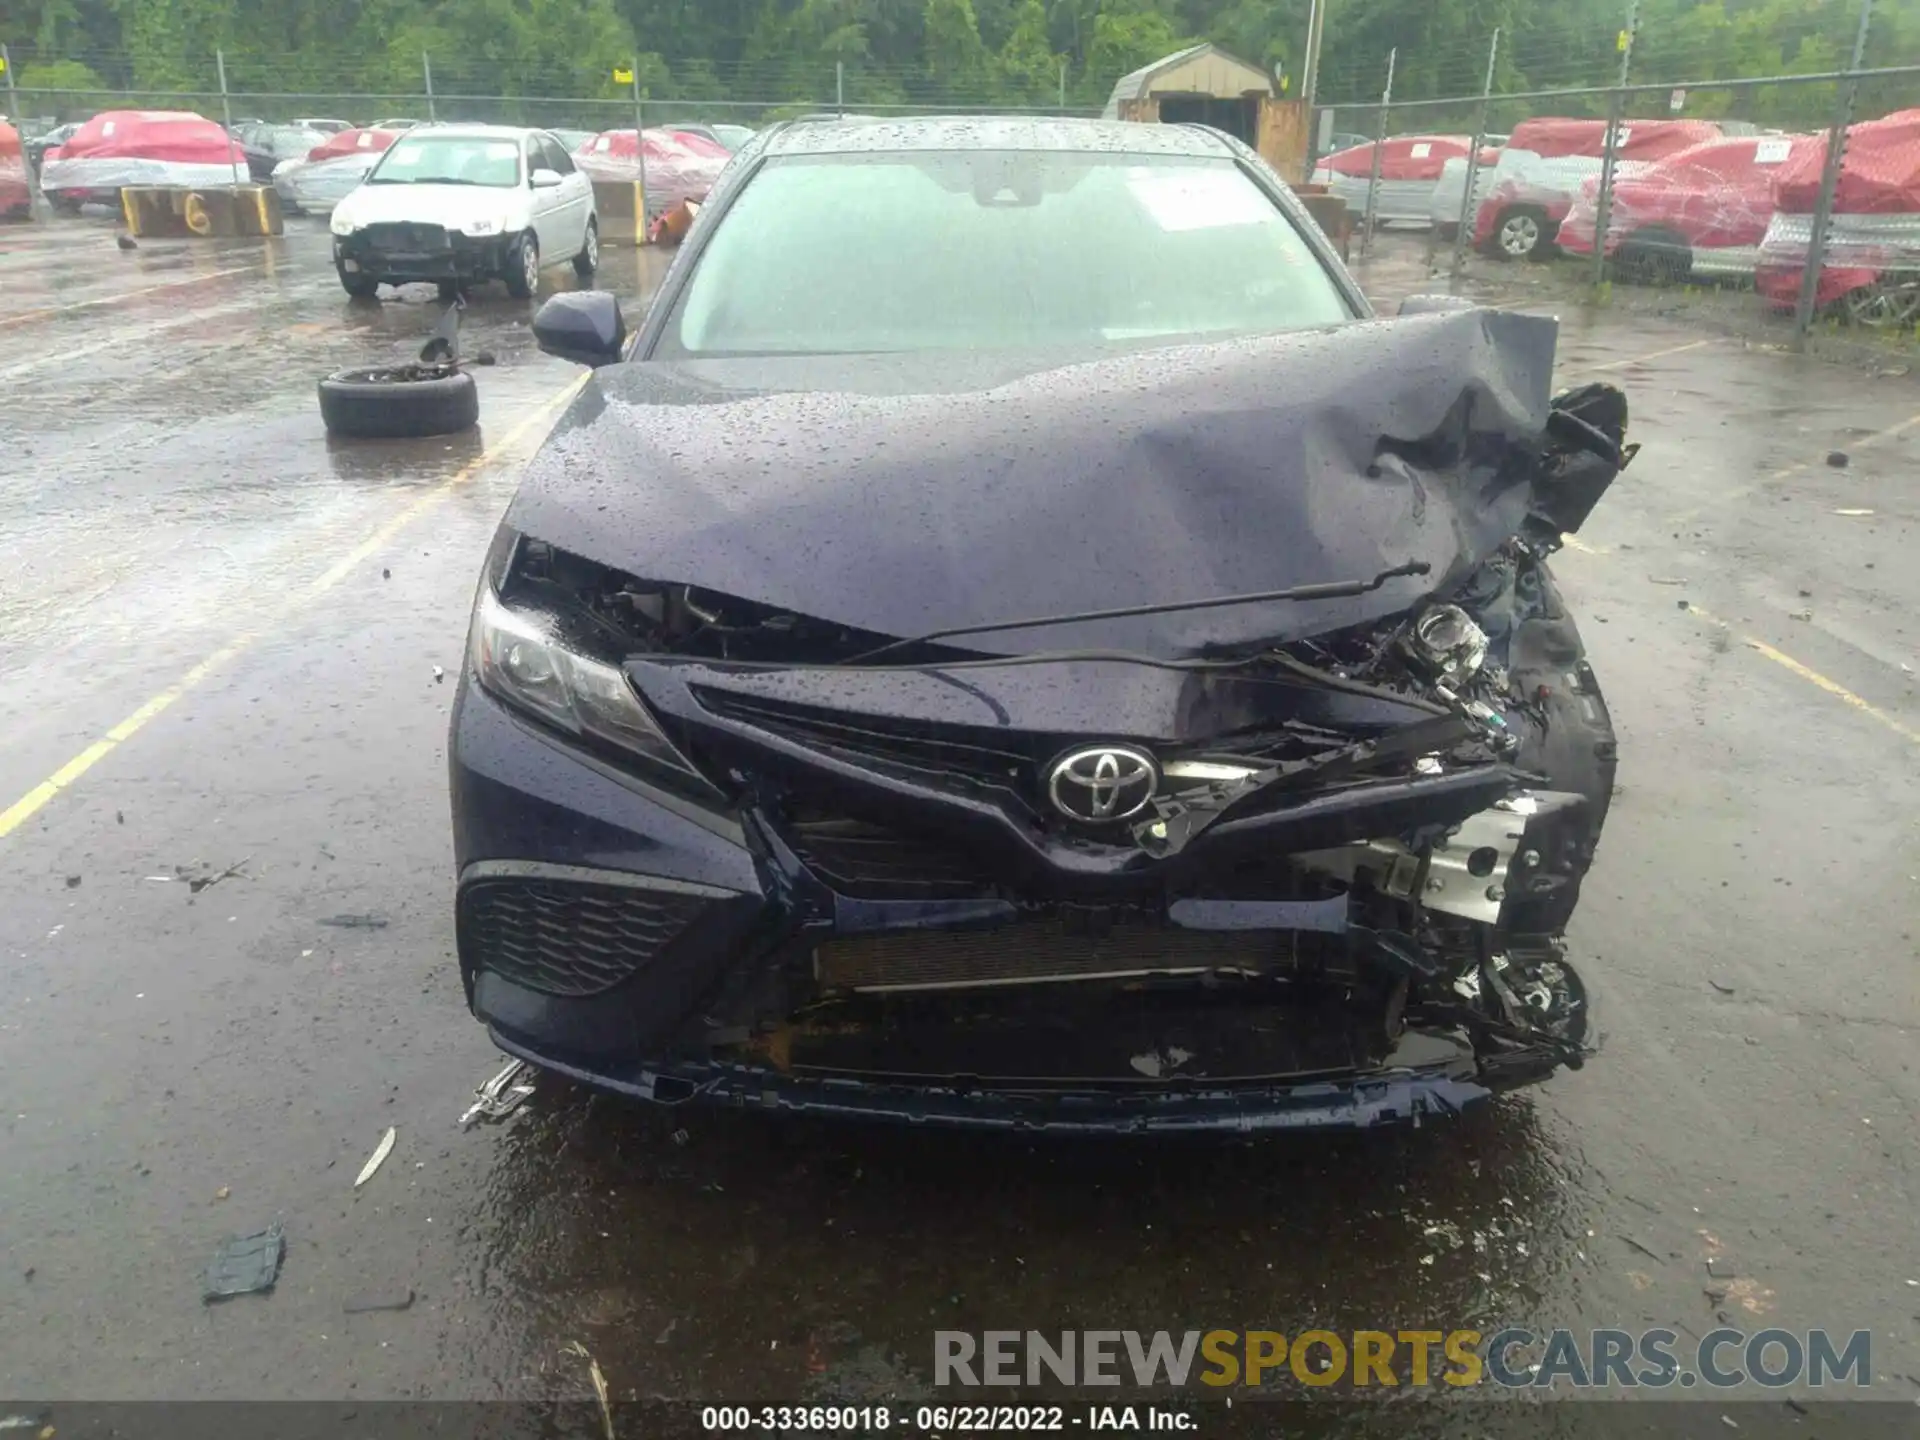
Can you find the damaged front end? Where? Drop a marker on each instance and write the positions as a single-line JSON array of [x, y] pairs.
[[1294, 880]]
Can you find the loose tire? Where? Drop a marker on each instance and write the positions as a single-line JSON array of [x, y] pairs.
[[523, 268], [357, 283], [379, 404], [588, 260]]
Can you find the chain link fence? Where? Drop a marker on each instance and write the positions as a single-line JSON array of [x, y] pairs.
[[1781, 208]]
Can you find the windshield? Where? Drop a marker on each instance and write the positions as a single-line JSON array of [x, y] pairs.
[[996, 249], [450, 160]]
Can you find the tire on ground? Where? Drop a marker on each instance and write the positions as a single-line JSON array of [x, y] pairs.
[[370, 404]]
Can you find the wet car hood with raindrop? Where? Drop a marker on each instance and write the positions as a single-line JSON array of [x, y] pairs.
[[906, 494]]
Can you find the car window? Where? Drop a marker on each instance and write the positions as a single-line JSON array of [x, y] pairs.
[[986, 249], [554, 157], [429, 159]]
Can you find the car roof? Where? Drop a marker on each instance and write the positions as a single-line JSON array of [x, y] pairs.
[[476, 132], [993, 132]]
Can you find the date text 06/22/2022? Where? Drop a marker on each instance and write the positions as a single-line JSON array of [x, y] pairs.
[[945, 1419]]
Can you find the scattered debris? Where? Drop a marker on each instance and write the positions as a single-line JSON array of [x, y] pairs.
[[1728, 1420], [1806, 594], [400, 1299], [73, 882], [206, 878], [486, 357], [574, 1347], [1643, 1249], [1853, 512], [1838, 459], [1795, 1406], [681, 1137], [502, 1095], [1684, 605], [1723, 989], [438, 674], [1800, 614], [246, 1264], [119, 817], [126, 242], [1669, 579], [1155, 1063], [355, 922], [22, 1422], [666, 1334], [386, 574], [378, 1158], [223, 1192]]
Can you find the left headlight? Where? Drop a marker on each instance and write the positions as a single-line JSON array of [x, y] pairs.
[[518, 657], [340, 224]]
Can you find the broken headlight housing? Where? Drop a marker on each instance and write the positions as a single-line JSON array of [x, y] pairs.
[[519, 657]]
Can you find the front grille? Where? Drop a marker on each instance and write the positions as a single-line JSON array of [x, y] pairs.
[[566, 938], [872, 862], [1041, 949], [407, 236], [937, 752]]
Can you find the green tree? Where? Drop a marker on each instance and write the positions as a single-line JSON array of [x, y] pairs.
[[956, 58], [1029, 68]]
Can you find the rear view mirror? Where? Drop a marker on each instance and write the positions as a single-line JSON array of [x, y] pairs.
[[544, 179], [584, 326]]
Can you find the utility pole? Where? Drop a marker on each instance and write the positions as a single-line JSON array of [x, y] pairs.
[[1063, 82], [640, 146], [1310, 78], [1603, 211], [840, 87], [1829, 184], [226, 116], [1469, 212], [426, 74]]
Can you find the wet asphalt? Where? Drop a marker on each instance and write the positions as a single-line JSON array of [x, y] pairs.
[[242, 631]]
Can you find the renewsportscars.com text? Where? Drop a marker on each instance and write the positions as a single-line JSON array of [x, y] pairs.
[[1512, 1357]]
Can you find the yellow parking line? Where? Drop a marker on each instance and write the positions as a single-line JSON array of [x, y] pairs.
[[1655, 355], [1815, 678], [28, 805], [51, 311]]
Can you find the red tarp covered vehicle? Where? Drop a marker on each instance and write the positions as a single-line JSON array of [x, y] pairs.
[[679, 166], [1545, 160], [1701, 211], [353, 142], [14, 195], [1410, 167], [1871, 267], [141, 147]]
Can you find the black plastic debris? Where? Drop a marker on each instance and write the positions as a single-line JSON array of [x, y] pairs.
[[400, 1299], [1838, 459], [246, 1264], [73, 882], [355, 922]]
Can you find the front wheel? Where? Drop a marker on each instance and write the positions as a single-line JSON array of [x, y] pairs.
[[523, 268], [1519, 233], [588, 260], [358, 283]]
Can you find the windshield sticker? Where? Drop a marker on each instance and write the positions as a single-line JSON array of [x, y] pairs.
[[1422, 150], [1200, 199], [1771, 152]]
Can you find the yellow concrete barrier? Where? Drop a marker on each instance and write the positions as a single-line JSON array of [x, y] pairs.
[[622, 211], [177, 210]]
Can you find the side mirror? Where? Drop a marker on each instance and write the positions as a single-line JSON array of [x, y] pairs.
[[544, 179], [1435, 304], [584, 326]]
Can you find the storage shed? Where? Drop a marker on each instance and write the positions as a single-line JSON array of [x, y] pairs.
[[1202, 84]]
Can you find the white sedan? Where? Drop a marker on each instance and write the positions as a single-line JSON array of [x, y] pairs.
[[458, 204]]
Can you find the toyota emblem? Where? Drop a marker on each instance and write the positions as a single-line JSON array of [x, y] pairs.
[[1102, 783]]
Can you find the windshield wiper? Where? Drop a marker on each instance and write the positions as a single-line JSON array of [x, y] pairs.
[[1326, 590]]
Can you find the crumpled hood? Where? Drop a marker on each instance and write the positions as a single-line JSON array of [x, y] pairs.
[[907, 494]]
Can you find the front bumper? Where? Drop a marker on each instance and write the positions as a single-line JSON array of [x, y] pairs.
[[398, 253], [621, 935]]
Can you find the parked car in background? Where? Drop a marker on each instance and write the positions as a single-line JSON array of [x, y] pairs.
[[1870, 273], [324, 126], [728, 137], [395, 124], [140, 147], [1410, 167], [268, 146], [460, 204], [1444, 205], [16, 197], [1541, 167], [572, 139], [1699, 213], [680, 166], [960, 662], [324, 177], [1346, 140], [37, 146]]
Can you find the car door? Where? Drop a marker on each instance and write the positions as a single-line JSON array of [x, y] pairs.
[[549, 223], [571, 199]]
